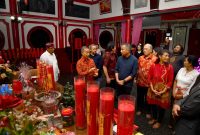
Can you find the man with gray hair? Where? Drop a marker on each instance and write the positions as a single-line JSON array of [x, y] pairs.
[[86, 66], [144, 63], [125, 71]]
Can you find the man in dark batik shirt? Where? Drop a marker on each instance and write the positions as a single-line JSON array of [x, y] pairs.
[[109, 63]]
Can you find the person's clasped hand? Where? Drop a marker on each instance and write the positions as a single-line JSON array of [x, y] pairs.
[[91, 69], [176, 110]]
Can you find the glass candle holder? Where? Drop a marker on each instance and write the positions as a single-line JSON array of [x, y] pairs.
[[106, 111], [50, 106], [92, 108], [126, 111], [80, 102], [28, 93]]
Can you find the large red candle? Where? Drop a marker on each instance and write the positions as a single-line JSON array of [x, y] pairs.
[[80, 86], [106, 111], [39, 73], [126, 109], [92, 108]]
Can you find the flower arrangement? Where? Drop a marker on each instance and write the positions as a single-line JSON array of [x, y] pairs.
[[25, 75], [9, 125], [6, 73], [21, 120]]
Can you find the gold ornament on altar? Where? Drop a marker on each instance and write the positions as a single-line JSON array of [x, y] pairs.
[[45, 76]]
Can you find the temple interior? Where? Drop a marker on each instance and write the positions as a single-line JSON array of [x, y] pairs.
[[29, 28]]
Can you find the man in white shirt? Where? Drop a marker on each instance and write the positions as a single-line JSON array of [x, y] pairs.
[[49, 58]]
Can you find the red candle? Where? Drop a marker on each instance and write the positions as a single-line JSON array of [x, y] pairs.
[[38, 67], [106, 111], [79, 86], [17, 86], [43, 77], [92, 108], [50, 76], [126, 109]]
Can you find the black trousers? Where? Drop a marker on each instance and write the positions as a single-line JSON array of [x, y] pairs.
[[141, 99], [112, 84], [158, 113], [123, 90]]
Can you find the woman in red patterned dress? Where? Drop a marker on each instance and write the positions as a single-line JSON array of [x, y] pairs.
[[160, 79]]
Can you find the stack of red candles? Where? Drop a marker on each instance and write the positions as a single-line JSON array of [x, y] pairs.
[[50, 75], [92, 108], [39, 67], [106, 111], [45, 76], [100, 112], [80, 86]]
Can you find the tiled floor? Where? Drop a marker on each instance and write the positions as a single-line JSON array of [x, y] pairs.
[[146, 129]]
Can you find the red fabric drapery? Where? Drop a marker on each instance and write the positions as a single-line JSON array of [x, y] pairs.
[[137, 29], [194, 14], [78, 43], [123, 32]]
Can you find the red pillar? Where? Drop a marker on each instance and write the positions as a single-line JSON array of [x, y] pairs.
[[128, 31], [14, 23], [92, 32], [60, 29]]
